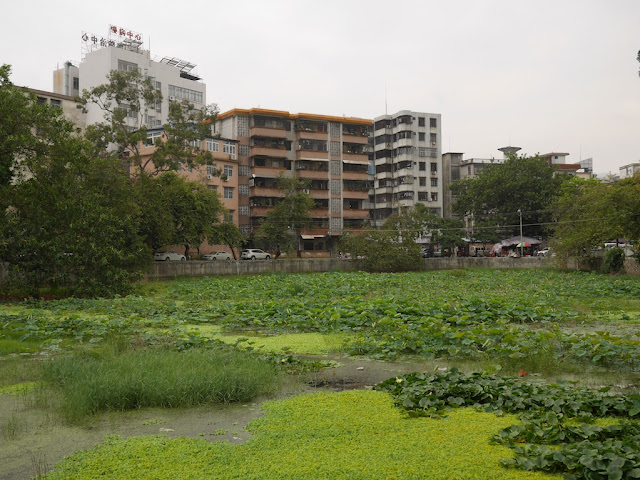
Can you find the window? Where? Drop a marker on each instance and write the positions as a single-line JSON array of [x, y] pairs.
[[228, 171], [56, 103], [230, 148], [423, 181], [127, 66], [195, 143], [212, 145], [228, 192], [154, 137], [243, 189], [434, 139], [421, 137], [213, 187], [228, 216], [211, 169], [422, 166], [423, 196], [434, 196], [41, 100], [243, 210], [433, 122], [243, 170], [185, 94], [434, 182], [434, 167], [421, 122], [76, 83]]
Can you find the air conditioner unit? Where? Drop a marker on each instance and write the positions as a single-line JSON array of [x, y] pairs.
[[172, 98], [305, 190], [208, 177], [433, 144], [299, 147]]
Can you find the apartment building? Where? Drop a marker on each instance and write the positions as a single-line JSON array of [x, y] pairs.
[[221, 175], [331, 153], [65, 103], [408, 163]]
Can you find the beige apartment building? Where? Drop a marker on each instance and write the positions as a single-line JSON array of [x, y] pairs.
[[331, 153]]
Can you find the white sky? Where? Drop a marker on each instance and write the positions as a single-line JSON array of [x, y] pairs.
[[545, 75]]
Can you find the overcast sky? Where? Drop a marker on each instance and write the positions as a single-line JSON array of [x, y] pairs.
[[545, 75]]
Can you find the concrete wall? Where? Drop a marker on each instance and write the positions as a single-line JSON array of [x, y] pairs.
[[197, 268], [201, 268]]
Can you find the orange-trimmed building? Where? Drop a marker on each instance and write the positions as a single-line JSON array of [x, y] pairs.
[[332, 153]]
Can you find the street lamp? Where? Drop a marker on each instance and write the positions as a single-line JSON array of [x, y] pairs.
[[521, 242]]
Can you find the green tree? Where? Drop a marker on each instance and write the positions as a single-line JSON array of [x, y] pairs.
[[28, 130], [227, 233], [72, 222], [125, 101], [495, 196], [67, 218], [284, 223], [176, 211], [589, 213]]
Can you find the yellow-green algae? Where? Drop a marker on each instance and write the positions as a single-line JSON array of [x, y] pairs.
[[298, 343], [354, 435], [17, 388]]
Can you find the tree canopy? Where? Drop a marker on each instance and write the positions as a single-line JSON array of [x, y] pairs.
[[125, 101], [589, 213], [282, 227], [502, 190], [67, 217]]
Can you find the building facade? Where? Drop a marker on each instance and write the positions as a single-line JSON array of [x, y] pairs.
[[330, 153], [628, 171], [407, 164], [172, 76]]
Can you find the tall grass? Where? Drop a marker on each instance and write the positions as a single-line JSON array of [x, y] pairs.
[[91, 382]]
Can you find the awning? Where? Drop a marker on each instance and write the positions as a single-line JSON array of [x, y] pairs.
[[313, 159], [311, 237], [357, 162]]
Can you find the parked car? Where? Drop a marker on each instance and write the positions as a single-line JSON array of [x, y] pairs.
[[254, 254], [217, 256], [165, 256]]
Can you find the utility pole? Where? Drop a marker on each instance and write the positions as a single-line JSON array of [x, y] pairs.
[[521, 241]]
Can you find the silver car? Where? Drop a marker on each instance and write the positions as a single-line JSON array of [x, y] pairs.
[[217, 256], [254, 254], [166, 256]]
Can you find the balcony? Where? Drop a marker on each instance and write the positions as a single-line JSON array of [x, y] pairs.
[[362, 157], [259, 211], [346, 175], [307, 135], [267, 171], [362, 139], [355, 213], [269, 151], [268, 132], [265, 191], [313, 174], [312, 154], [357, 194]]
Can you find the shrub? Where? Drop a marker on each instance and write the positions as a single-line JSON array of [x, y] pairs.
[[614, 260]]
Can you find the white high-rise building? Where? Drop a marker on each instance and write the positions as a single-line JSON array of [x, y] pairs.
[[408, 163], [124, 50]]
